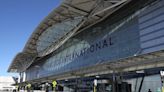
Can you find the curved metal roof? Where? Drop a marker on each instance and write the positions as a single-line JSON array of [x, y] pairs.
[[89, 12]]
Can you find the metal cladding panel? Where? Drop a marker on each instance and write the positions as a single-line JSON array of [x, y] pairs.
[[151, 25]]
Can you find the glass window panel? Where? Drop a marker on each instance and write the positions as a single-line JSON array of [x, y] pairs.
[[55, 32]]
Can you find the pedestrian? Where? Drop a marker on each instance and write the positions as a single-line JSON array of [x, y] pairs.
[[149, 90]]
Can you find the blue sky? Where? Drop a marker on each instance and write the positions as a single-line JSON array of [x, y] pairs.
[[18, 19]]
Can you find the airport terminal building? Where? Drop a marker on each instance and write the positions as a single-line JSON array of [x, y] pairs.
[[118, 43]]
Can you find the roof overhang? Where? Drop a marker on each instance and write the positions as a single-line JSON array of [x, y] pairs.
[[93, 11], [21, 62]]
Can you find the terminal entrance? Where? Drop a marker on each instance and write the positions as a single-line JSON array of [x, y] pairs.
[[136, 81], [103, 85]]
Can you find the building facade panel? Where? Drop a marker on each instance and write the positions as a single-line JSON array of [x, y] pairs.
[[151, 25]]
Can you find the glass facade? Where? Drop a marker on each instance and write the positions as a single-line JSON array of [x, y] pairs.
[[101, 43], [55, 32], [150, 82]]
